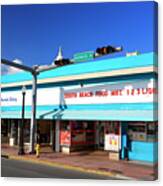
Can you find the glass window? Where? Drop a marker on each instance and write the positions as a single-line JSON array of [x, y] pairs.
[[77, 125], [137, 131], [152, 131], [143, 131], [112, 127], [26, 130], [65, 125]]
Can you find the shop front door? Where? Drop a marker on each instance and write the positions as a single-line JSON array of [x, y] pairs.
[[101, 136]]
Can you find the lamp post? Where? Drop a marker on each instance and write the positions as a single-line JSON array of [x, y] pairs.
[[21, 136]]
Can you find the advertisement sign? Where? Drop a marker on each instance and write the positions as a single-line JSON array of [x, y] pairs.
[[127, 92], [141, 91], [65, 138], [112, 142]]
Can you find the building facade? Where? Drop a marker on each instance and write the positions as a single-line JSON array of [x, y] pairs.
[[108, 104]]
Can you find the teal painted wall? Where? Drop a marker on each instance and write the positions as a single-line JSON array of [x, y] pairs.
[[144, 151], [113, 106], [138, 150]]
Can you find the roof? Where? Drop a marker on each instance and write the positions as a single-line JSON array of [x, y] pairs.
[[119, 63]]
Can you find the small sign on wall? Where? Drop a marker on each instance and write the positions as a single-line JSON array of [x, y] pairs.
[[112, 142], [65, 138]]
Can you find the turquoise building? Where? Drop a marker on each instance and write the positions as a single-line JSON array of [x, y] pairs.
[[108, 105]]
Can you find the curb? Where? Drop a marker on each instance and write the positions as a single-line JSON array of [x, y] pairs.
[[68, 167]]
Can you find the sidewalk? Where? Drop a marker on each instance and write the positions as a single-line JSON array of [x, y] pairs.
[[95, 162]]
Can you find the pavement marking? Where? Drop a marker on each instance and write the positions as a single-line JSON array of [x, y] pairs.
[[69, 167]]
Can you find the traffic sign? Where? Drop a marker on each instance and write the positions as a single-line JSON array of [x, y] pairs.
[[84, 56]]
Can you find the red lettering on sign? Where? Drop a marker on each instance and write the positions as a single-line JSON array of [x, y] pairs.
[[86, 94], [116, 92], [138, 91], [119, 92], [70, 95], [101, 93]]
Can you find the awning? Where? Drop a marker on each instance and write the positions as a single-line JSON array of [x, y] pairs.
[[103, 115]]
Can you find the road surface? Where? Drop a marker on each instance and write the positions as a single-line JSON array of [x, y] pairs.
[[16, 168]]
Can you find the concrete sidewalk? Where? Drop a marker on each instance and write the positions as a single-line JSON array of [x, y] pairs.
[[92, 162]]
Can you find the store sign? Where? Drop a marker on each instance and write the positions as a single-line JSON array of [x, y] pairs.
[[45, 96], [112, 142], [135, 92], [65, 138], [128, 92]]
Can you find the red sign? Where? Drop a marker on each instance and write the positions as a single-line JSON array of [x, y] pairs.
[[65, 138]]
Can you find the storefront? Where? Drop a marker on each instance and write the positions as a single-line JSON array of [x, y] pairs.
[[111, 105], [77, 135]]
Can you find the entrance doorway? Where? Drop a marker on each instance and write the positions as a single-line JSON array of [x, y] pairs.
[[101, 136]]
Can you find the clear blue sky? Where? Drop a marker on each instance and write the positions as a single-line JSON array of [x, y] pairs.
[[33, 33]]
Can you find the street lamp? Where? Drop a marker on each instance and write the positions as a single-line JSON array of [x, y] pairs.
[[21, 136]]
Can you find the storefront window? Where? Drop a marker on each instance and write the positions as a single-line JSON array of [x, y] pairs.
[[26, 131], [3, 128], [77, 125], [152, 131], [112, 127], [82, 132], [65, 125], [142, 131]]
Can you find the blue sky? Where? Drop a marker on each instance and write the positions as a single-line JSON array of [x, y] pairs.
[[33, 33]]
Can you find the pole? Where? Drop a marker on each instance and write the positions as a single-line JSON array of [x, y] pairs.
[[33, 116], [21, 140]]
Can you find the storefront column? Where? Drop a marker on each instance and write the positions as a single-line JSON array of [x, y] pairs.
[[124, 139], [97, 134], [57, 134], [52, 135]]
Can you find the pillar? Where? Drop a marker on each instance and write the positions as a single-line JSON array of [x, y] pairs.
[[52, 134], [57, 134], [97, 134], [124, 139]]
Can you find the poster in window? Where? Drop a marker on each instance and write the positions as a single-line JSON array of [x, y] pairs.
[[112, 142], [65, 138]]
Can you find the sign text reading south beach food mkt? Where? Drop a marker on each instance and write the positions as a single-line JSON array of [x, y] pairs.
[[126, 92], [142, 91], [105, 93]]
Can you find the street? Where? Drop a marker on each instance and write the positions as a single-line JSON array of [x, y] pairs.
[[15, 168]]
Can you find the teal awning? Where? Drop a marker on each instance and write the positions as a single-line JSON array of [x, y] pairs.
[[112, 115]]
